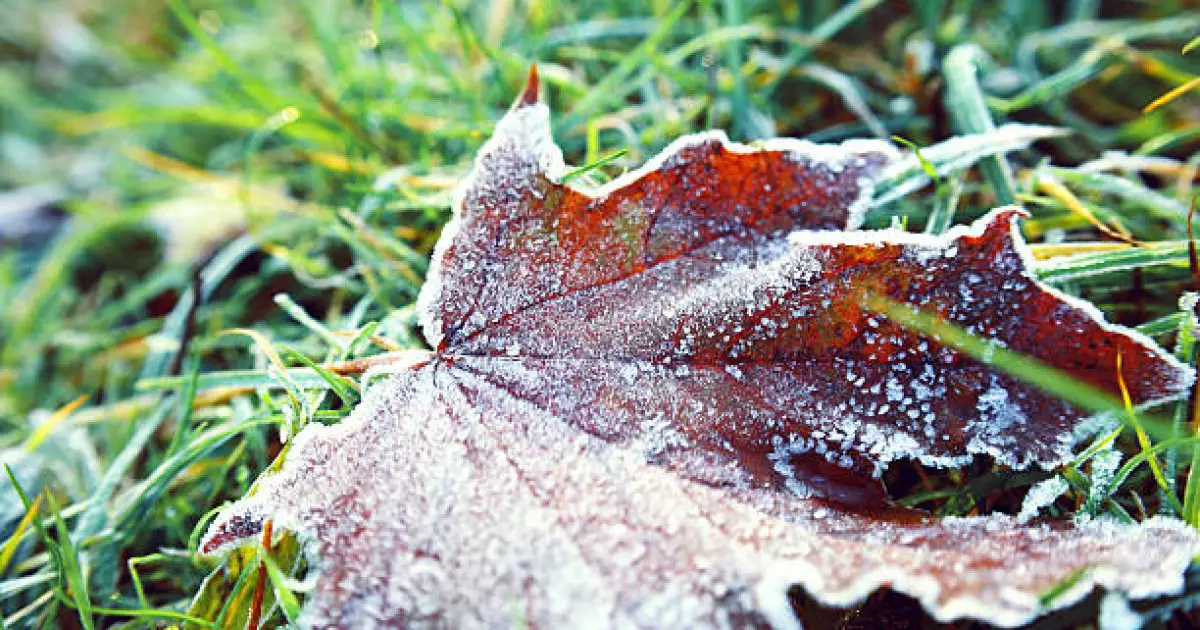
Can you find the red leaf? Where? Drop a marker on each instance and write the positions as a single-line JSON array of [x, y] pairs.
[[651, 405]]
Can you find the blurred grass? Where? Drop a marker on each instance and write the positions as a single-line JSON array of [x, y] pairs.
[[171, 171]]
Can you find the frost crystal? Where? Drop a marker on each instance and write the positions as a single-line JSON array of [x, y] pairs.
[[1104, 469], [1116, 614], [1041, 495]]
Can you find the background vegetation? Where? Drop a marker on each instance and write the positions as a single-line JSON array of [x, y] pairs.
[[176, 171]]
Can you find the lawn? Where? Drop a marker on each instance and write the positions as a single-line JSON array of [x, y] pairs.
[[203, 202]]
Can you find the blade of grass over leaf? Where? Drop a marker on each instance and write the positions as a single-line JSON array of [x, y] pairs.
[[1061, 588], [593, 165], [1048, 379]]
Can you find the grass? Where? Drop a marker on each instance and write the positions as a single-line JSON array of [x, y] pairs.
[[179, 170]]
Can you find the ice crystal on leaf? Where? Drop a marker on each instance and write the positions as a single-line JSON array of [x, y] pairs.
[[662, 404]]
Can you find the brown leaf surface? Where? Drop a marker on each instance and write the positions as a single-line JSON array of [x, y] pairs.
[[653, 406]]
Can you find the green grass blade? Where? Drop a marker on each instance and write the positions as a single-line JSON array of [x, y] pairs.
[[71, 568], [969, 111], [344, 389], [1070, 268], [253, 88]]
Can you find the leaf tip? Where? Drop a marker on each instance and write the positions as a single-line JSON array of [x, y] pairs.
[[529, 96], [1001, 224], [1007, 215]]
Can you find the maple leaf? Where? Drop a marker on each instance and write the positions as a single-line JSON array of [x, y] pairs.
[[662, 404]]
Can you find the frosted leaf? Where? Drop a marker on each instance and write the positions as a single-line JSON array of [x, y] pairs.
[[650, 406], [526, 238]]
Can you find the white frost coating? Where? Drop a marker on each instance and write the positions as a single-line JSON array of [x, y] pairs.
[[945, 241], [524, 146], [1104, 470], [976, 229], [1122, 161], [1116, 614], [391, 364], [1019, 607], [658, 320], [429, 514], [1098, 316], [1041, 495], [526, 131], [891, 236], [960, 152]]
